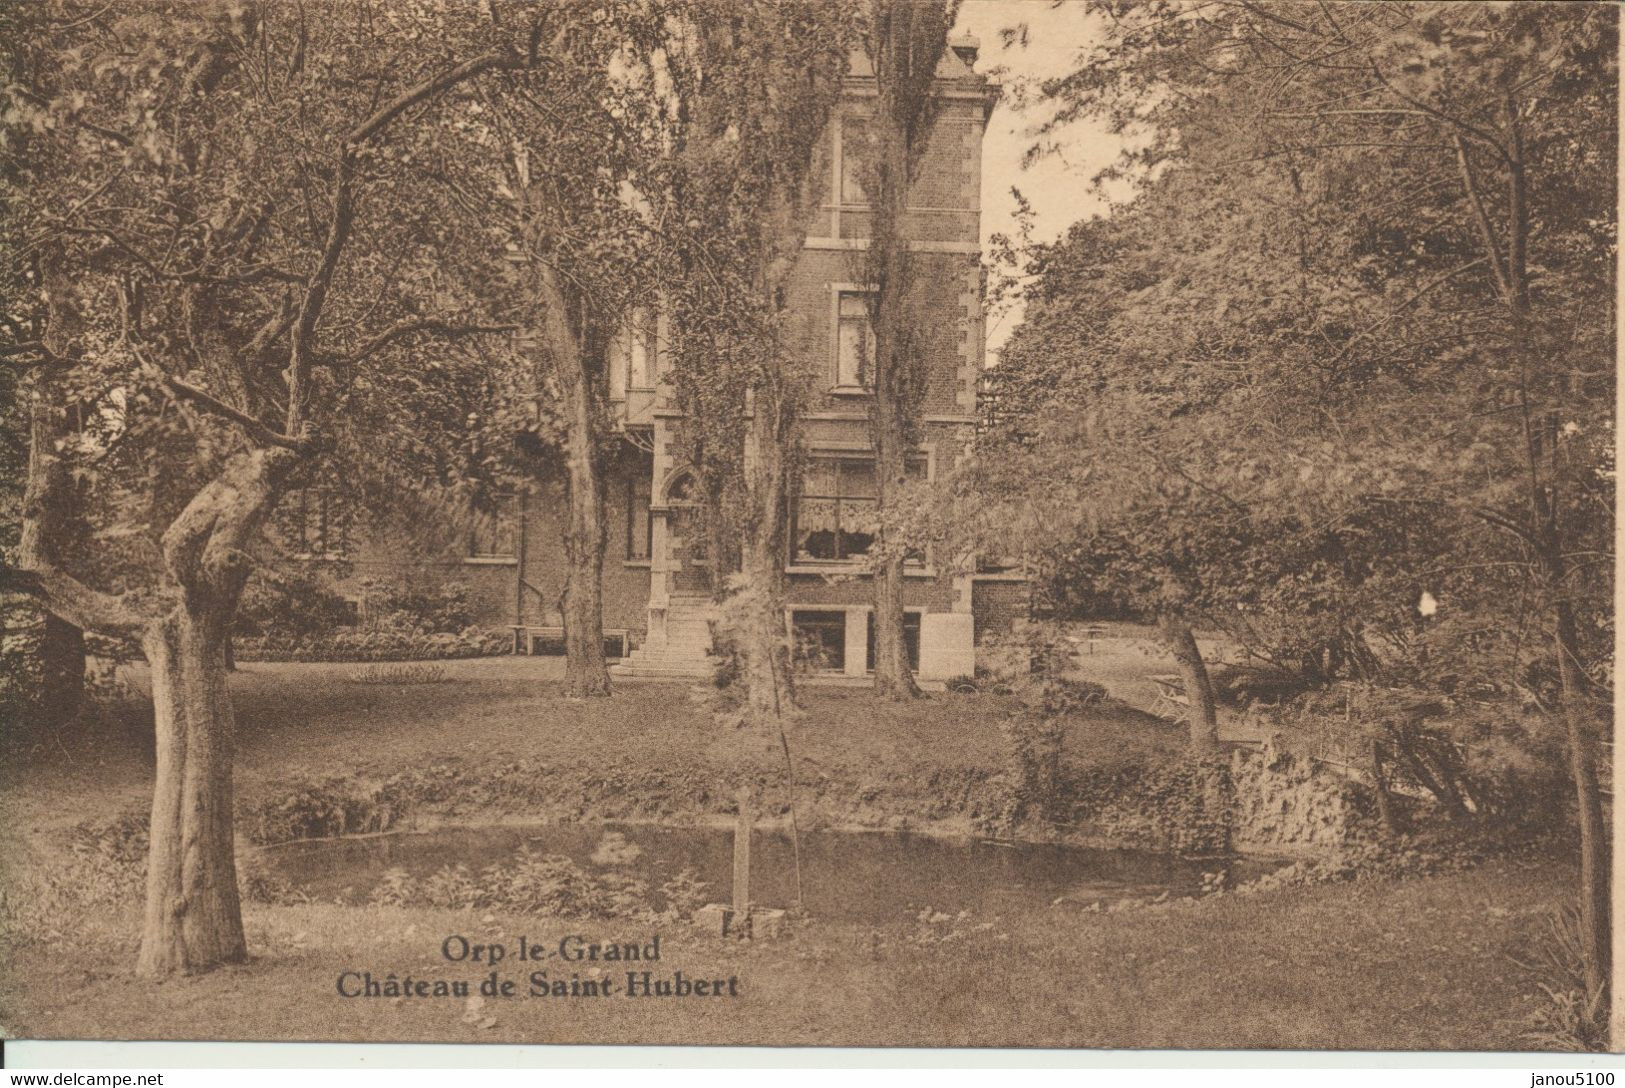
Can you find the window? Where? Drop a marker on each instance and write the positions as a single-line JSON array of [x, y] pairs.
[[854, 341], [911, 639], [315, 521], [634, 353], [639, 528], [854, 148], [821, 638], [835, 513], [491, 532], [642, 362]]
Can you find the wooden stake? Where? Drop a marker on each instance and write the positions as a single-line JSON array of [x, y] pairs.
[[742, 859]]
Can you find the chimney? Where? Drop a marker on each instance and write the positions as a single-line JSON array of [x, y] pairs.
[[965, 47]]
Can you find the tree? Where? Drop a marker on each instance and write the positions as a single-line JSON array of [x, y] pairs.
[[755, 87], [567, 194], [904, 40], [46, 652], [1414, 249], [229, 229]]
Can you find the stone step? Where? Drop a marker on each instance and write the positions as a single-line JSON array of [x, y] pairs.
[[669, 659], [703, 641], [684, 649], [681, 640], [658, 672]]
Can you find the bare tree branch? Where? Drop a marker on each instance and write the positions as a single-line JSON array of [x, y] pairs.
[[255, 428], [1492, 250], [338, 233], [411, 328], [428, 89]]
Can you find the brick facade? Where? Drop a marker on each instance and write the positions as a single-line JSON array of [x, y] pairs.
[[943, 224]]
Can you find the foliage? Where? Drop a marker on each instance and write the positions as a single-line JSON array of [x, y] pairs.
[[376, 644], [753, 88], [1336, 380], [545, 884], [292, 605], [1557, 959], [324, 809], [414, 673]]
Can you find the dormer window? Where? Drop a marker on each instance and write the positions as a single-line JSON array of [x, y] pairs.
[[854, 343]]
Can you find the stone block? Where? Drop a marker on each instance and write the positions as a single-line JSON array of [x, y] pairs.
[[766, 924], [718, 919], [715, 919]]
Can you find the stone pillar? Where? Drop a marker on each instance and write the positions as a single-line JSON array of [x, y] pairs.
[[947, 645], [857, 642]]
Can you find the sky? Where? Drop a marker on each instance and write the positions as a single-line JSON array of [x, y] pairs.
[[1056, 186]]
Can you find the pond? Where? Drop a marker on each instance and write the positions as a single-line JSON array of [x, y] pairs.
[[856, 876]]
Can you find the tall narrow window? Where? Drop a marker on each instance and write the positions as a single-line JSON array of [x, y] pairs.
[[854, 342], [642, 355], [315, 521], [854, 152], [639, 529], [491, 533]]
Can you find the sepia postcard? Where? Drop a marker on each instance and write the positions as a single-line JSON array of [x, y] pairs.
[[849, 523]]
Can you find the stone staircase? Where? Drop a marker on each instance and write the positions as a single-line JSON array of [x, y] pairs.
[[678, 646]]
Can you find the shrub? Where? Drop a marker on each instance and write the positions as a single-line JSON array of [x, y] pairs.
[[409, 673], [377, 645], [1035, 786], [291, 605], [430, 610], [1244, 685]]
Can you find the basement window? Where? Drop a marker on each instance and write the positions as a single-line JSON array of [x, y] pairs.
[[821, 639]]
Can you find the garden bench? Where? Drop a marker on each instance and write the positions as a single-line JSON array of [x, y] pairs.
[[1172, 703], [531, 639]]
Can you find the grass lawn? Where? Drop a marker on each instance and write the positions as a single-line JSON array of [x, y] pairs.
[[494, 724], [1422, 963], [1419, 964]]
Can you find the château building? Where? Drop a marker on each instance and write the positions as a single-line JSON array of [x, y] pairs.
[[657, 575]]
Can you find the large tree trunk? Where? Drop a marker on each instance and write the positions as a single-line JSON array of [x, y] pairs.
[[193, 916], [586, 670], [905, 41], [1175, 633], [761, 641], [897, 368], [893, 677], [578, 364]]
